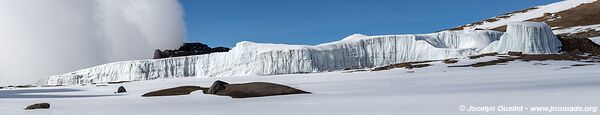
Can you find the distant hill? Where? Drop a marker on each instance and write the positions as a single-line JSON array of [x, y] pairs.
[[573, 20]]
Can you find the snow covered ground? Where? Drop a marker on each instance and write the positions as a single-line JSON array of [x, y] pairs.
[[530, 14], [596, 40], [578, 29], [431, 90]]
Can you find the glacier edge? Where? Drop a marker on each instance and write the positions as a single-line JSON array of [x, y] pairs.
[[352, 52]]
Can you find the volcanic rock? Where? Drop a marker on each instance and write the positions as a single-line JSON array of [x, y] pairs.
[[254, 89], [38, 106]]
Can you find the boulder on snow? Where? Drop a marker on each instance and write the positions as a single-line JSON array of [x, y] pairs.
[[406, 65], [483, 55], [579, 43], [254, 89], [217, 86], [450, 61], [38, 106], [121, 89], [512, 53], [183, 90]]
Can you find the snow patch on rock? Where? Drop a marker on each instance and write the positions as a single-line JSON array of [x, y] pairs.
[[596, 40], [578, 29], [535, 13]]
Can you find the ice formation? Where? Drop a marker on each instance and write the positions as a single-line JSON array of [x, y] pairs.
[[526, 37], [355, 51], [248, 58]]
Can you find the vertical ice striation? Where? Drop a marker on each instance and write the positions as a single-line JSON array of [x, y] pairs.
[[355, 51], [526, 37], [248, 58]]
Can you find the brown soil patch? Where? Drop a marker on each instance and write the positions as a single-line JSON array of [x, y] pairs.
[[526, 58], [458, 28], [352, 71], [500, 29], [450, 61], [487, 63], [546, 57], [521, 11], [407, 65], [183, 90], [491, 20], [587, 34], [117, 82], [483, 55], [575, 45], [503, 16], [577, 65], [584, 14], [20, 86]]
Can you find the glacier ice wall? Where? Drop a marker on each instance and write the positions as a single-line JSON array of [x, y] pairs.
[[355, 51], [526, 37], [248, 58]]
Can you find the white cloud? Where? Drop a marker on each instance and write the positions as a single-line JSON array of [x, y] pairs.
[[45, 37]]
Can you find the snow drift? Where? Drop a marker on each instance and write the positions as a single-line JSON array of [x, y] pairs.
[[44, 37]]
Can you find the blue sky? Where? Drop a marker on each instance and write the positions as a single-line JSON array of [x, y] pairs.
[[226, 22]]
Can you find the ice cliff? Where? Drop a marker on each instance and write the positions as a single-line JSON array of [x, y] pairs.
[[526, 37], [355, 51]]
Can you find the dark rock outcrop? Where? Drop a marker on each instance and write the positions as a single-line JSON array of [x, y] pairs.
[[483, 55], [188, 49], [117, 82], [254, 89], [584, 14], [406, 65], [38, 106], [526, 58], [183, 90], [512, 53], [450, 61], [217, 86], [244, 90], [121, 89], [578, 43]]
